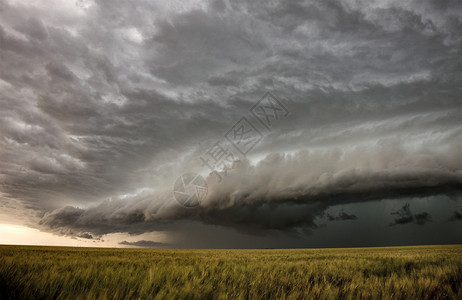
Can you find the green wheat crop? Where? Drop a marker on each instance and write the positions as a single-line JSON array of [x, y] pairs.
[[420, 272]]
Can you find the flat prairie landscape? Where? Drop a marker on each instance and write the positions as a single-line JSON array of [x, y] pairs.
[[417, 272]]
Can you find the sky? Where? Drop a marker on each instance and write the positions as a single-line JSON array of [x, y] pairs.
[[230, 124]]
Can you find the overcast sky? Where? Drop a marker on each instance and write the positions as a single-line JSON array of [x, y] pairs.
[[352, 114]]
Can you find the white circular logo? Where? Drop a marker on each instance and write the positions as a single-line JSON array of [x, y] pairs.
[[190, 189]]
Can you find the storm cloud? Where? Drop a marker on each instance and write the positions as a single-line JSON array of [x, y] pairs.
[[144, 244], [405, 216], [103, 104], [342, 216], [457, 216], [281, 192]]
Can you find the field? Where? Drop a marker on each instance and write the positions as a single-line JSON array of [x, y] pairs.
[[422, 272]]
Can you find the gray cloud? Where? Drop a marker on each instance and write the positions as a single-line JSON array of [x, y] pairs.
[[457, 216], [405, 216], [341, 216], [145, 244], [104, 103]]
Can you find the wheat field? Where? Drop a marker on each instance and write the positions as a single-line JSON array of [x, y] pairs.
[[417, 272]]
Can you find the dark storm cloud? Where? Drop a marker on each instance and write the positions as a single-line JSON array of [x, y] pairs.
[[145, 244], [457, 216], [282, 193], [104, 103], [405, 216], [86, 235], [341, 216]]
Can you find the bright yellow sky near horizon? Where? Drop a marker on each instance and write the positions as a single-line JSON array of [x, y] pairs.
[[23, 235], [14, 234]]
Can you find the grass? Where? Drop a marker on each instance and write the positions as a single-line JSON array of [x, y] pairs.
[[418, 272]]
